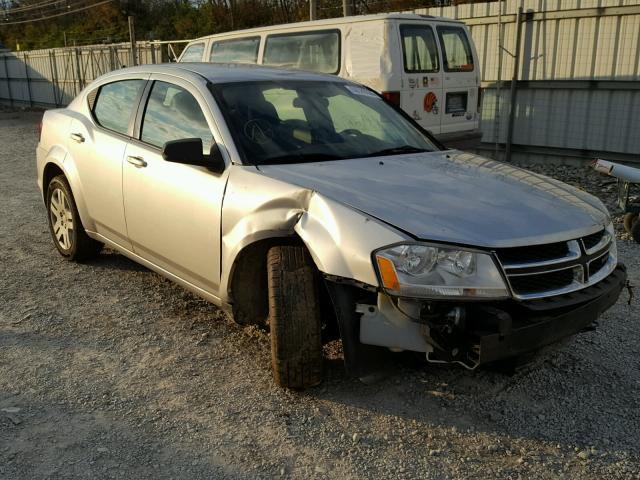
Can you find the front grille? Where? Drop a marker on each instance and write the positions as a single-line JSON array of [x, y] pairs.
[[533, 254], [542, 282], [592, 240], [596, 265], [552, 269]]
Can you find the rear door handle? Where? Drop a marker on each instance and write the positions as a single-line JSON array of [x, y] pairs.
[[77, 137], [137, 161]]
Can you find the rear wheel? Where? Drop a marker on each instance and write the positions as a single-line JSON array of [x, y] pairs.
[[635, 230], [294, 317], [65, 225]]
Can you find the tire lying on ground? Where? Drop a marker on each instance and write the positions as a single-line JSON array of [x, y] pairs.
[[65, 225], [294, 317], [629, 220]]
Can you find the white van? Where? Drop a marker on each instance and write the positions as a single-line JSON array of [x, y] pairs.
[[426, 65]]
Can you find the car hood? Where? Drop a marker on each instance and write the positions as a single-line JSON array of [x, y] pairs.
[[453, 197]]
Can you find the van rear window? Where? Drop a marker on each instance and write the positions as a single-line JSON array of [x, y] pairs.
[[316, 51], [456, 50], [419, 49], [240, 50]]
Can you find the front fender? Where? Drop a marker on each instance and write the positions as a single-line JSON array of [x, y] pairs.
[[341, 239]]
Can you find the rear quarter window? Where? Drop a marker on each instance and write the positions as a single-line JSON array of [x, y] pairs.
[[115, 104], [193, 53], [456, 51], [316, 51]]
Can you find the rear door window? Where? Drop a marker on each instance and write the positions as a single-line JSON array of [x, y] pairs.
[[172, 113], [241, 50], [116, 103], [419, 49], [317, 51], [456, 50], [193, 53]]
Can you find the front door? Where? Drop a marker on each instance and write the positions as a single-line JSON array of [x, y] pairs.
[[173, 210], [421, 93]]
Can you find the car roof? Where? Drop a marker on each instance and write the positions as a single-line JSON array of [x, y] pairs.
[[334, 21], [227, 72]]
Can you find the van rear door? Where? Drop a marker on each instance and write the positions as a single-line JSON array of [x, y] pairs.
[[461, 79], [421, 92]]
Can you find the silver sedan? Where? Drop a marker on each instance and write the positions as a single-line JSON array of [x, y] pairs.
[[308, 205]]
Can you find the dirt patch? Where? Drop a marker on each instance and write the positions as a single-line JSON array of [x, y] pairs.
[[107, 370]]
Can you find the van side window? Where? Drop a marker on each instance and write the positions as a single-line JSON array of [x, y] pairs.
[[419, 49], [241, 50], [172, 113], [193, 53], [116, 103], [317, 51], [456, 50]]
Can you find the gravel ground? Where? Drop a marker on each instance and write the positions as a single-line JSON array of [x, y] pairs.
[[108, 370]]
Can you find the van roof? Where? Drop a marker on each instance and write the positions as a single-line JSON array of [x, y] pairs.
[[334, 21]]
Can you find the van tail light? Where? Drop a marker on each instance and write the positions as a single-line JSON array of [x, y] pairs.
[[392, 97]]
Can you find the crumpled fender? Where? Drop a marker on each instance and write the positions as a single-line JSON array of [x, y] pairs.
[[339, 238]]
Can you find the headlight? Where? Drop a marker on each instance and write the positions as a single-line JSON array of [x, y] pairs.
[[434, 271]]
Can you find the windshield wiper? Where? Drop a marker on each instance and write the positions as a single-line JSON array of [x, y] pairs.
[[397, 151], [299, 158]]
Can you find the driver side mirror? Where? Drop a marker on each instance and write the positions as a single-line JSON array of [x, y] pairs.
[[189, 152]]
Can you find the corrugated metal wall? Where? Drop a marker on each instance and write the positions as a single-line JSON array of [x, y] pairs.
[[53, 77], [579, 72]]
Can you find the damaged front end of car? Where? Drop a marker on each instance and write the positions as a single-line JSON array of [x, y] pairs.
[[473, 307]]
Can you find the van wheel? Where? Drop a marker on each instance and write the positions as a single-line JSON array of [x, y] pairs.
[[294, 317], [65, 225], [630, 219]]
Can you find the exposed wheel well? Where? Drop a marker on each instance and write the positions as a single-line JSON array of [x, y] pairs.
[[50, 170], [249, 290]]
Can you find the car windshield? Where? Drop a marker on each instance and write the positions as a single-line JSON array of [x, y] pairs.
[[308, 121]]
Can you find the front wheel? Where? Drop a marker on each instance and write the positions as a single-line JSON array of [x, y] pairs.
[[65, 225], [294, 317]]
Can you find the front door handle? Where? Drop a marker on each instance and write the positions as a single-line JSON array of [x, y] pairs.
[[137, 161], [77, 137]]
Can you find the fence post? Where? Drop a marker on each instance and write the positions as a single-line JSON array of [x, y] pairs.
[[153, 53], [6, 69], [26, 72], [78, 71], [54, 77], [514, 87]]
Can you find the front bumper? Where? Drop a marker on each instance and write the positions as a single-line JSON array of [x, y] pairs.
[[475, 333], [549, 326]]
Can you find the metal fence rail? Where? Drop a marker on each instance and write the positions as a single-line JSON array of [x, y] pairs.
[[53, 77]]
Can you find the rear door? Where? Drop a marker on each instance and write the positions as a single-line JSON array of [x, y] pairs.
[[97, 146], [461, 79], [421, 92]]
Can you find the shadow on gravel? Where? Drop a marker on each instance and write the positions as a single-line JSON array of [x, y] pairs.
[[110, 260]]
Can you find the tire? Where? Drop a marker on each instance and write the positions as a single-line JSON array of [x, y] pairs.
[[629, 220], [635, 230], [294, 317], [65, 225]]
